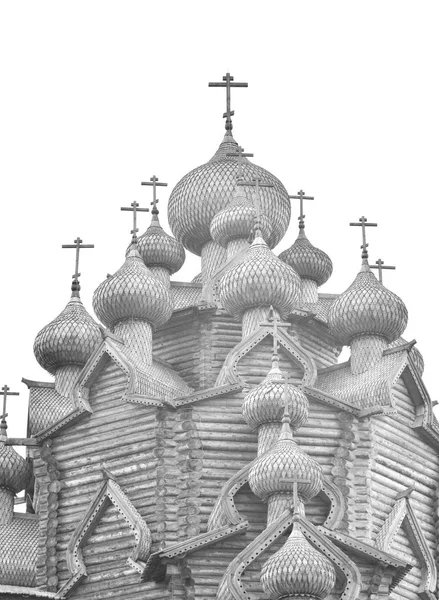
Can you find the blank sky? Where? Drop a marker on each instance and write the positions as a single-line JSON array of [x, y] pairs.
[[97, 96]]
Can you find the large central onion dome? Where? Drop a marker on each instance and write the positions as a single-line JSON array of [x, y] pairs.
[[367, 307], [297, 570], [206, 190], [132, 293], [70, 339], [260, 278]]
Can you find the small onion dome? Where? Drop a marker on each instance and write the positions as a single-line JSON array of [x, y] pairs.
[[265, 403], [285, 460], [15, 471], [206, 190], [367, 307], [158, 249], [260, 278], [132, 293], [310, 262], [237, 220], [70, 339], [297, 570]]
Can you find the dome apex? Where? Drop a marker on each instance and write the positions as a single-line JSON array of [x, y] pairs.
[[208, 189]]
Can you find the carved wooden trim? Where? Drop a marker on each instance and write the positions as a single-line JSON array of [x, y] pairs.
[[214, 392], [337, 504], [403, 515], [345, 567], [331, 400], [231, 587], [109, 493], [229, 371], [200, 541]]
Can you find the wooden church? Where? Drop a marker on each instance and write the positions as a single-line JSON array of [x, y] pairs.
[[200, 440]]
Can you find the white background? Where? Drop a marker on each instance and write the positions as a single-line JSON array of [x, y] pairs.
[[97, 96]]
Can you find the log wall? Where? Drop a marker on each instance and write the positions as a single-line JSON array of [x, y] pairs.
[[400, 459], [136, 443]]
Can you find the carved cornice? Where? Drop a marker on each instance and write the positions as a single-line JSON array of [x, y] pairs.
[[154, 567], [109, 493]]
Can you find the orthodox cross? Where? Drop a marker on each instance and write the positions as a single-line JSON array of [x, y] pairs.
[[154, 182], [257, 183], [295, 480], [380, 266], [78, 245], [363, 224], [228, 82], [273, 321], [301, 196], [6, 393], [240, 154], [134, 208]]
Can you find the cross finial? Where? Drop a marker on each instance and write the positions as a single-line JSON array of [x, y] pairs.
[[154, 182], [257, 183], [363, 224], [6, 393], [228, 82], [240, 154], [301, 196], [379, 264], [78, 245], [295, 480], [134, 208]]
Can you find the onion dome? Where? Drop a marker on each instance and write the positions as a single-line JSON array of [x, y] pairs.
[[158, 249], [367, 307], [236, 220], [132, 293], [260, 278], [285, 461], [70, 339], [297, 570], [309, 262], [206, 190], [15, 471], [265, 403]]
